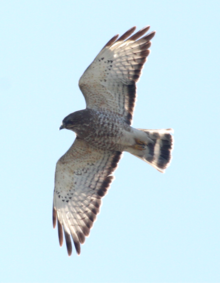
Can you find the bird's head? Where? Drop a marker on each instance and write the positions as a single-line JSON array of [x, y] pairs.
[[68, 122], [78, 122]]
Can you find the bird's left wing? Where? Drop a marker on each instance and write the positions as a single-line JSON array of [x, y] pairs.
[[82, 178], [109, 83]]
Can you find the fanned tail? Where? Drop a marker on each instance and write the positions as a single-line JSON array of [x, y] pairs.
[[158, 151]]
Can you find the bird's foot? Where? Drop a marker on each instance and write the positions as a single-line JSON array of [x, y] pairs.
[[139, 145]]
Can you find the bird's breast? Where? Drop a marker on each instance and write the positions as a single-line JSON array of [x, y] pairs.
[[102, 129]]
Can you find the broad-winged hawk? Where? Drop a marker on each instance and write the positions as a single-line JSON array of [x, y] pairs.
[[103, 132]]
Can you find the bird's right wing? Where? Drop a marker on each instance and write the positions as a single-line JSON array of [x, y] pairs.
[[82, 178]]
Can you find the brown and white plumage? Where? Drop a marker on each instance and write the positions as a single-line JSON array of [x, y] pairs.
[[84, 172], [110, 81], [83, 176]]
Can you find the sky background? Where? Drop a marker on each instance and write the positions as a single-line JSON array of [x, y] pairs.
[[152, 227]]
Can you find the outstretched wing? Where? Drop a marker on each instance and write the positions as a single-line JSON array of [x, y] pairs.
[[82, 178], [110, 81]]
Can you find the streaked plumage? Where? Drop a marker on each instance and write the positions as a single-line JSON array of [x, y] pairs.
[[84, 172]]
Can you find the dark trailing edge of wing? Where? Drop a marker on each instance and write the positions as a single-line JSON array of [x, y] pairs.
[[137, 60], [138, 63]]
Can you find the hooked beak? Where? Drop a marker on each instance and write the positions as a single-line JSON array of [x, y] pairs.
[[62, 127]]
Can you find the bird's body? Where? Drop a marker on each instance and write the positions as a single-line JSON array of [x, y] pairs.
[[104, 131], [101, 129]]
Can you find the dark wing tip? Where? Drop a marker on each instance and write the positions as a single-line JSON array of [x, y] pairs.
[[139, 33], [111, 41], [77, 247], [126, 34], [150, 35], [60, 233], [68, 243], [54, 218]]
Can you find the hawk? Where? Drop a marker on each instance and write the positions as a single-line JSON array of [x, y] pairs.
[[103, 131]]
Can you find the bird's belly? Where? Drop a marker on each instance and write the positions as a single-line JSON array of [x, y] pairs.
[[107, 134], [105, 140]]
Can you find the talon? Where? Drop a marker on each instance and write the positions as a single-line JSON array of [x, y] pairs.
[[140, 142], [139, 146]]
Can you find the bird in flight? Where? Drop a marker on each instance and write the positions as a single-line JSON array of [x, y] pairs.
[[103, 131]]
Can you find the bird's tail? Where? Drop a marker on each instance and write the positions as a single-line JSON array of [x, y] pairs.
[[157, 152]]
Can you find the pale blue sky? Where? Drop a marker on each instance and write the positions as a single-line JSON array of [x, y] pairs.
[[152, 227]]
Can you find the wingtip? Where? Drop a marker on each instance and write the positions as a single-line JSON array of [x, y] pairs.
[[132, 29], [145, 28], [54, 217], [111, 41], [139, 33], [68, 243], [60, 233], [77, 246], [152, 34], [125, 35], [69, 251]]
